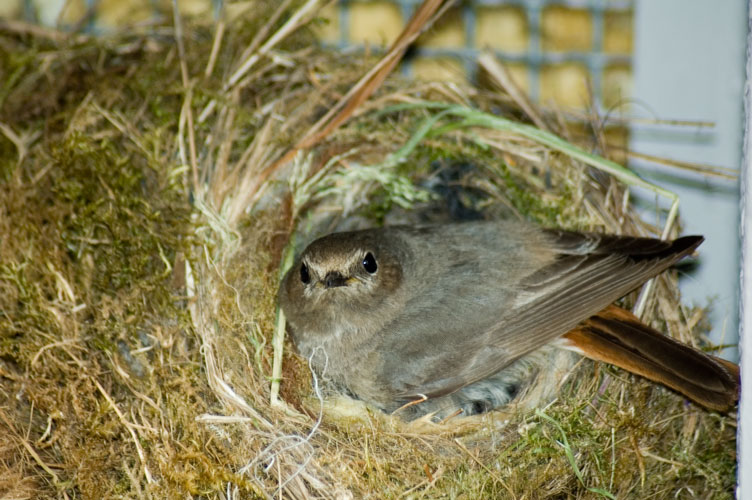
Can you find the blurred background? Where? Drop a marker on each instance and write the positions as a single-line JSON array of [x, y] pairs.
[[664, 76]]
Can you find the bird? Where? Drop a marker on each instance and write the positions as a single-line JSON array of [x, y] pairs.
[[436, 319]]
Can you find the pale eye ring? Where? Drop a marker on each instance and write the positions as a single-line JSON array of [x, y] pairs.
[[369, 263], [305, 276]]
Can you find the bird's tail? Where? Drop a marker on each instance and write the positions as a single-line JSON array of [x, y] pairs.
[[617, 337]]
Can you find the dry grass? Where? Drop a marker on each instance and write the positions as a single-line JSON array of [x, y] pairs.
[[138, 282]]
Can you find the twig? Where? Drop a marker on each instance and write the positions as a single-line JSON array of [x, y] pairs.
[[296, 21], [218, 36], [362, 90], [129, 426], [31, 450], [188, 92], [500, 74]]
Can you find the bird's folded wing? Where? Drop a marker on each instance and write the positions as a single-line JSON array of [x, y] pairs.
[[585, 274]]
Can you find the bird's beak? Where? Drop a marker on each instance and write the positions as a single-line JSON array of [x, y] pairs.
[[334, 279]]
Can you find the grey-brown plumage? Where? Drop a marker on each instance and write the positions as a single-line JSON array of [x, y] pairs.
[[443, 312]]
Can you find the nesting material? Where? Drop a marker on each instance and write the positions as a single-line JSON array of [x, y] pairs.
[[142, 233]]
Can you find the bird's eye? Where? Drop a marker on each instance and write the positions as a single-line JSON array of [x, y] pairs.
[[304, 276], [369, 263]]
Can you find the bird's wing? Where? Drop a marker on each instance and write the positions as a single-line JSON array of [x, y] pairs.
[[474, 333]]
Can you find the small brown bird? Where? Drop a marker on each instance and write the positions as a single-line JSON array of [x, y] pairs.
[[438, 315]]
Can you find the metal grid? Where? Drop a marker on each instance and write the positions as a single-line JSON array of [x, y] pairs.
[[534, 58], [90, 26]]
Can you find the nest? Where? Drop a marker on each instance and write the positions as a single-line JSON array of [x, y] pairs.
[[151, 194]]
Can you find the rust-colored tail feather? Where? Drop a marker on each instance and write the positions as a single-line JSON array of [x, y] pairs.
[[617, 337]]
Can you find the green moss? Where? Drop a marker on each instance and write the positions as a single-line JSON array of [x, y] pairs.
[[122, 214]]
